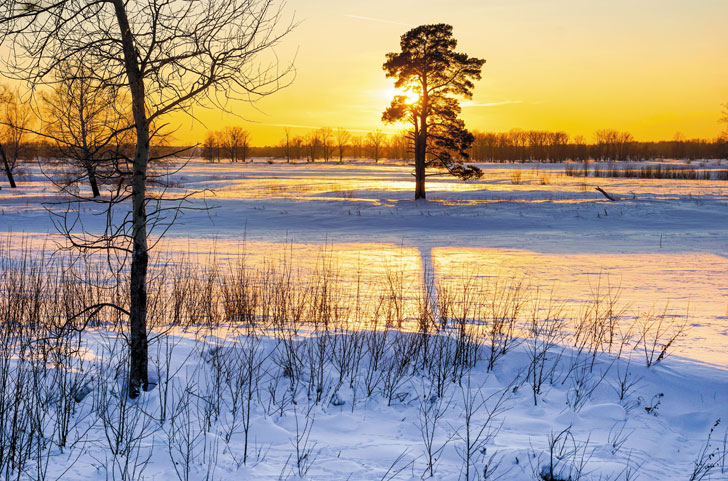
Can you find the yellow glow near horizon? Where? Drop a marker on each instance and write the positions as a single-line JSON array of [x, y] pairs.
[[651, 67]]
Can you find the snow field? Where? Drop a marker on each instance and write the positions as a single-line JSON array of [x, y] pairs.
[[267, 374]]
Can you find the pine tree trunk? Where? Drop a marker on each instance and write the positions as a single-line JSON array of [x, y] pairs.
[[421, 145], [420, 174], [8, 170]]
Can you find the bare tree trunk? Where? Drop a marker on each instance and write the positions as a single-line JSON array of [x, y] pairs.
[[91, 171], [138, 344], [8, 170], [138, 368]]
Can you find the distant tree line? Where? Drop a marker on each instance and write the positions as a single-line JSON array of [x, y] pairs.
[[516, 145], [544, 146], [324, 144], [51, 152], [233, 144]]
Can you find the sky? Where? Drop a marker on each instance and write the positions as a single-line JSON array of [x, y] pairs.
[[650, 67]]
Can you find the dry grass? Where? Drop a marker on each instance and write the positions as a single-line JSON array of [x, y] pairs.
[[321, 334]]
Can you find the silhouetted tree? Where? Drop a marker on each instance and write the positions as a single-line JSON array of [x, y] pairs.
[[211, 147], [235, 142], [580, 151], [4, 99], [15, 117], [375, 141], [6, 166], [313, 142], [298, 144], [520, 141], [722, 140], [612, 145], [87, 122], [400, 147], [342, 141], [357, 145], [327, 142], [678, 146], [287, 145], [557, 143], [429, 68]]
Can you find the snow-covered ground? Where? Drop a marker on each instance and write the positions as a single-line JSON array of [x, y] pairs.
[[665, 243], [662, 245], [655, 432]]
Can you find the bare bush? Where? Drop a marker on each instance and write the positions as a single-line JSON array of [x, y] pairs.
[[431, 408], [545, 332], [480, 413], [658, 333], [709, 457], [566, 458]]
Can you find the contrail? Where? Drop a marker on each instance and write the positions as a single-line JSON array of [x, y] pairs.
[[315, 127], [293, 126], [490, 104], [379, 20]]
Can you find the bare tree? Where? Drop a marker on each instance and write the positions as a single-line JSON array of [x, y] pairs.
[[235, 141], [211, 147], [168, 56], [557, 146], [376, 143], [357, 144], [15, 117], [613, 145], [4, 98], [327, 136], [313, 141], [520, 141], [87, 123], [400, 147], [298, 144], [342, 141], [6, 164], [581, 152], [724, 119], [287, 145]]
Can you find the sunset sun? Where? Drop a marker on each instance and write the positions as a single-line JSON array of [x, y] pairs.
[[389, 93]]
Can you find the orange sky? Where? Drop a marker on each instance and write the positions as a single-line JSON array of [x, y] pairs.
[[652, 67]]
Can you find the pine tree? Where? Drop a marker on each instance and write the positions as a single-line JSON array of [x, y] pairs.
[[429, 69]]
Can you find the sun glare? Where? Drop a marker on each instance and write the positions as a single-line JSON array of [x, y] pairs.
[[392, 92]]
